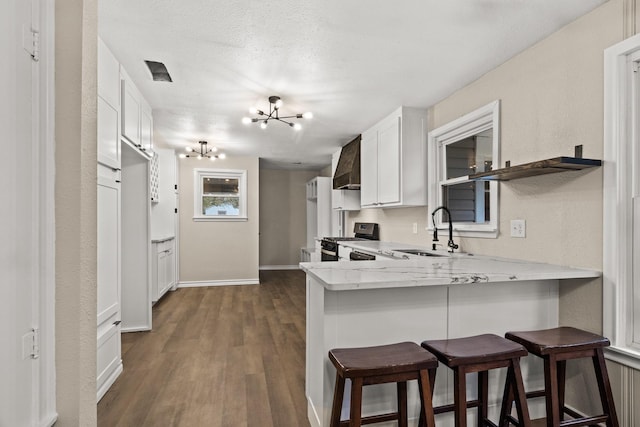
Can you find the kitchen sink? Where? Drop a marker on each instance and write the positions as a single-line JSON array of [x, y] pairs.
[[419, 252]]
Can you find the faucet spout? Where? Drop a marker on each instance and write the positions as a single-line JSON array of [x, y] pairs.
[[452, 246]]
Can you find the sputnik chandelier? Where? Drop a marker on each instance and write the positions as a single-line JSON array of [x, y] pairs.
[[274, 114], [204, 152]]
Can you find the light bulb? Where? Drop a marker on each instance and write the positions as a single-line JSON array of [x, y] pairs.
[[263, 125], [297, 126], [246, 120], [222, 156], [214, 149], [212, 158], [308, 115], [189, 149], [278, 103], [253, 110], [199, 157], [182, 156]]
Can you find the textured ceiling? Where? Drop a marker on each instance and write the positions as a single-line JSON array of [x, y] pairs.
[[350, 62]]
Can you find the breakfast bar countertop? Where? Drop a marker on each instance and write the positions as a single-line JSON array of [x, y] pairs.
[[459, 268]]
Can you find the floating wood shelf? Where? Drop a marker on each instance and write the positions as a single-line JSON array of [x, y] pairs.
[[541, 167]]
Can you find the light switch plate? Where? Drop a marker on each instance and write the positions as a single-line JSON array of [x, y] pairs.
[[518, 228]]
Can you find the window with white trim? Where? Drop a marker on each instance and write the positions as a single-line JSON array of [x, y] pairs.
[[220, 195], [465, 146], [621, 202]]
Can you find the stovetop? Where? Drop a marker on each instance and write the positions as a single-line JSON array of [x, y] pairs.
[[335, 239]]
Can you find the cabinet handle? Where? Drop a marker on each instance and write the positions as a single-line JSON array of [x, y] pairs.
[[117, 322], [118, 181]]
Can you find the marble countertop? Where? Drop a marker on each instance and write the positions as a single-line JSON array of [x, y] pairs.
[[458, 268]]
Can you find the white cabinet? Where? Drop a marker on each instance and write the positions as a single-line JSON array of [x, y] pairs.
[[108, 107], [163, 267], [393, 161], [109, 362], [344, 200], [136, 115], [318, 209]]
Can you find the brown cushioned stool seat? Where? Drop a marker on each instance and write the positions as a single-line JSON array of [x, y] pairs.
[[397, 363], [556, 346], [480, 354]]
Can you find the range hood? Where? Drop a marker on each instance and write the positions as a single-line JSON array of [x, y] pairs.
[[347, 176]]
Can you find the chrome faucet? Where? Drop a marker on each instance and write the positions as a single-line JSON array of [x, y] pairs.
[[452, 246]]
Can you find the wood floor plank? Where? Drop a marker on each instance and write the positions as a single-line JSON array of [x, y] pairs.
[[218, 356]]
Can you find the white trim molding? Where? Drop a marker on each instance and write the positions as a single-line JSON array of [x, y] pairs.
[[484, 118], [618, 195], [239, 174], [207, 283]]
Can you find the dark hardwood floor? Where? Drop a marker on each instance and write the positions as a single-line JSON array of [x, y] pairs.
[[219, 356]]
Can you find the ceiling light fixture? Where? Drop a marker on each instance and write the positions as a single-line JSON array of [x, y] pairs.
[[204, 152], [274, 114]]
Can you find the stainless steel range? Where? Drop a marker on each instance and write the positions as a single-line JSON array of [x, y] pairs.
[[362, 230]]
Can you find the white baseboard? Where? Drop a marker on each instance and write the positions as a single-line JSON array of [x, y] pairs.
[[280, 267], [206, 283]]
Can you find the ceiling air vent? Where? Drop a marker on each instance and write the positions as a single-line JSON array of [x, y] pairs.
[[158, 71]]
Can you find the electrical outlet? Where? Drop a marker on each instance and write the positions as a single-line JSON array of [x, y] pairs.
[[415, 228], [518, 228]]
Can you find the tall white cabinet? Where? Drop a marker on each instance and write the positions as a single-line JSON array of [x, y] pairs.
[[393, 161], [109, 316], [318, 215], [123, 205]]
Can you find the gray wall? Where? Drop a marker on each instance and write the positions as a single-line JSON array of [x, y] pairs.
[[283, 216]]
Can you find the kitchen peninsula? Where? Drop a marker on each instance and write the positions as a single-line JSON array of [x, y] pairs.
[[365, 303]]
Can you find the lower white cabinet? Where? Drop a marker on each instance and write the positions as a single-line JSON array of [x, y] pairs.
[[163, 267], [109, 362]]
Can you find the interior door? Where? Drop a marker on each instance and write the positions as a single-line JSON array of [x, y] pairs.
[[19, 218]]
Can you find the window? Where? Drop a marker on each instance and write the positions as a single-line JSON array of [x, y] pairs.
[[458, 149], [220, 195], [621, 197]]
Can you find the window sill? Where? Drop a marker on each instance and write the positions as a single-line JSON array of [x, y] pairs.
[[487, 232], [623, 355], [220, 219]]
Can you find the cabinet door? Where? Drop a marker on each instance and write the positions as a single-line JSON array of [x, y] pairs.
[[369, 168], [170, 276], [146, 129], [108, 135], [108, 75], [130, 113], [108, 241], [108, 357], [162, 272], [389, 162]]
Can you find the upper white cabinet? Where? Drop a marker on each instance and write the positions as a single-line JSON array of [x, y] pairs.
[[345, 200], [393, 161], [108, 107], [137, 121]]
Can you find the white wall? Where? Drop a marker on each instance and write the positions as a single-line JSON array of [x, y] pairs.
[[76, 41]]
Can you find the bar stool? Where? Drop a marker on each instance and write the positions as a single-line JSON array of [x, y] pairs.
[[480, 354], [556, 346], [397, 363]]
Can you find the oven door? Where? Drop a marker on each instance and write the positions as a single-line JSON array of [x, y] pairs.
[[361, 256], [329, 251]]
